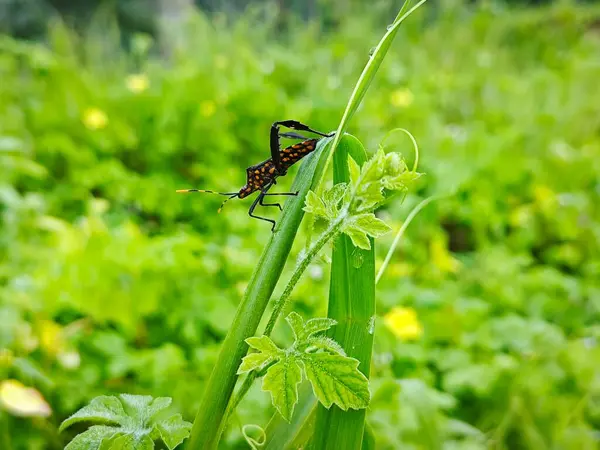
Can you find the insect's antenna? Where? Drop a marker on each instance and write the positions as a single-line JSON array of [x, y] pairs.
[[204, 191], [233, 195]]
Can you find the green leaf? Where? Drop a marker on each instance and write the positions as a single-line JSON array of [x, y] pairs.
[[371, 225], [134, 424], [135, 405], [332, 198], [325, 343], [103, 409], [254, 361], [336, 380], [296, 323], [144, 407], [132, 442], [354, 170], [358, 237], [174, 430], [303, 330], [315, 205], [282, 381], [158, 406], [264, 344], [92, 438]]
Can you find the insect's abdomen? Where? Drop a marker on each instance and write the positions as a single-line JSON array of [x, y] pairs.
[[296, 152], [257, 177]]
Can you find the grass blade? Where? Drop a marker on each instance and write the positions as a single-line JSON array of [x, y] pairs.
[[209, 422], [352, 305], [368, 73]]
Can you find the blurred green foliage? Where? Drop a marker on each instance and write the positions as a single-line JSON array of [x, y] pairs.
[[110, 282]]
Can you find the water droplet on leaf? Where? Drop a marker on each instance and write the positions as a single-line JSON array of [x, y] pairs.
[[372, 325], [357, 258]]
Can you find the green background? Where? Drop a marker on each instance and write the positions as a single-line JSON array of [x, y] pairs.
[[102, 262]]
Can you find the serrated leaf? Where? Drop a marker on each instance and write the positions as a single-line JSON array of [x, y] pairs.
[[373, 169], [314, 205], [358, 237], [354, 170], [157, 406], [92, 438], [332, 198], [335, 194], [315, 326], [282, 381], [254, 361], [132, 442], [264, 344], [371, 225], [336, 380], [136, 405], [134, 423], [296, 323], [326, 343], [174, 430], [105, 409]]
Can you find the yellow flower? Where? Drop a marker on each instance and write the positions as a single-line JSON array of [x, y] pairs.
[[403, 322], [208, 108], [51, 337], [441, 257], [23, 401], [137, 83], [401, 98], [94, 119]]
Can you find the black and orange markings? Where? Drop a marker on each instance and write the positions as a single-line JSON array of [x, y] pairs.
[[261, 177]]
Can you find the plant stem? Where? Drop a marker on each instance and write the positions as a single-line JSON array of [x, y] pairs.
[[331, 232]]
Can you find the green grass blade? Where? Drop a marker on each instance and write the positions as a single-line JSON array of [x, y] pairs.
[[209, 422], [368, 73], [352, 305], [369, 442]]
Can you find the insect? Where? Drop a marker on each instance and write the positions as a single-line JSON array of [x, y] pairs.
[[263, 176]]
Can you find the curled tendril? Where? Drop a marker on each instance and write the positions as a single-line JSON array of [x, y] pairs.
[[254, 443], [411, 137]]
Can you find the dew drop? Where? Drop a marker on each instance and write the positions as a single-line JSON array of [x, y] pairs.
[[357, 258], [372, 325], [372, 51], [390, 26]]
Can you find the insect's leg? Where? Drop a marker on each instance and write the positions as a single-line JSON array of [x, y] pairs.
[[261, 203], [253, 207], [295, 125], [282, 193]]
